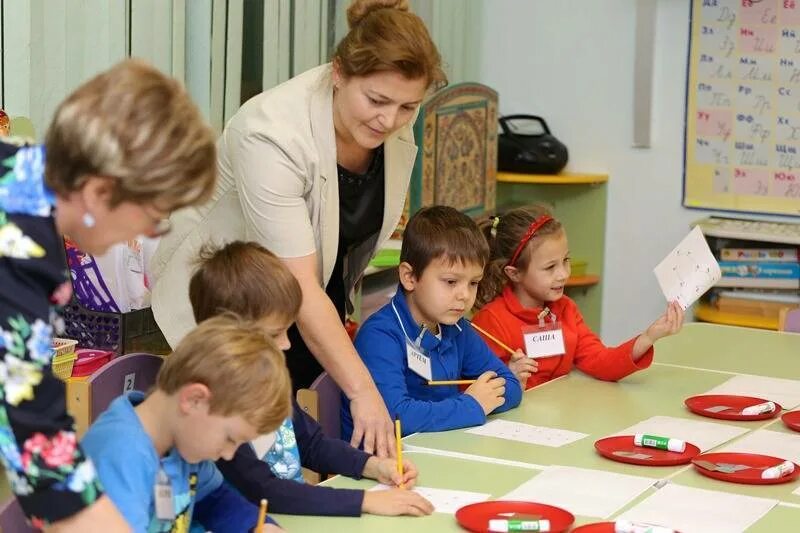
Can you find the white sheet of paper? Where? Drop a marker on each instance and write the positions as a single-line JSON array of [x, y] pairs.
[[704, 435], [544, 436], [784, 391], [583, 491], [691, 510], [688, 271], [782, 445], [796, 491], [443, 500]]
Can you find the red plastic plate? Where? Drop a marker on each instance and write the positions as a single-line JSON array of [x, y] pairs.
[[750, 476], [598, 527], [700, 404], [792, 420], [623, 450], [475, 517]]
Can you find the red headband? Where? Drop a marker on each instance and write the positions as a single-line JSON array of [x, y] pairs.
[[532, 229]]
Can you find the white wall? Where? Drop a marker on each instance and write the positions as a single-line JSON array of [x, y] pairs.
[[572, 62]]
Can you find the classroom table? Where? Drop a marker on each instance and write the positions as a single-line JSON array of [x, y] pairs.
[[701, 357]]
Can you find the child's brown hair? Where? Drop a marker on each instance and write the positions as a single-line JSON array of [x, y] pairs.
[[245, 278], [505, 233], [244, 370], [444, 232]]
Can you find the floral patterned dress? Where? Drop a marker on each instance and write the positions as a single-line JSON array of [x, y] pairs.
[[44, 465]]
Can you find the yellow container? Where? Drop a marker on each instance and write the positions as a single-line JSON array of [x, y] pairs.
[[64, 357]]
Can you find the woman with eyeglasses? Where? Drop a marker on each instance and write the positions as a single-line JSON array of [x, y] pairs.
[[317, 171], [122, 151]]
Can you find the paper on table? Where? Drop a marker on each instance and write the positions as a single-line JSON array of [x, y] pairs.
[[444, 500], [688, 271], [782, 445], [784, 391], [692, 510], [544, 436], [796, 491], [704, 435], [583, 491]]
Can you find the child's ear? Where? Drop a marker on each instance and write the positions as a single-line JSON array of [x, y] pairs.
[[193, 397], [407, 277], [513, 273]]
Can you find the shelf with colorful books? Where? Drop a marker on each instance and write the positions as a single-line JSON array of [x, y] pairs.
[[760, 276]]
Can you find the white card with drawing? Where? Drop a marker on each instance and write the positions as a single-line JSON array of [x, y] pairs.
[[688, 271], [443, 500], [544, 436]]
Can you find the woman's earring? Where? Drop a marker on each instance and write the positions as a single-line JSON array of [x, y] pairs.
[[88, 220]]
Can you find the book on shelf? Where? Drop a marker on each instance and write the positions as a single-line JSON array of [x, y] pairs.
[[759, 283], [789, 298], [759, 269], [777, 255]]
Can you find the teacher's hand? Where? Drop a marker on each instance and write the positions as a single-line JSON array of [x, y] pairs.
[[371, 423]]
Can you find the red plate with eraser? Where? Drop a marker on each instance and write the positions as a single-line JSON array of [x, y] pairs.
[[732, 407], [623, 450], [792, 420], [475, 517], [747, 468]]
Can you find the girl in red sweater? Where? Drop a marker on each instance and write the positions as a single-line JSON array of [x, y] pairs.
[[524, 307]]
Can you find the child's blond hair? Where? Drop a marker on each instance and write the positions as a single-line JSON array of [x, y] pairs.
[[504, 234], [245, 278], [244, 370]]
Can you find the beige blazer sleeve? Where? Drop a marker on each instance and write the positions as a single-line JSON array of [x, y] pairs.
[[272, 192]]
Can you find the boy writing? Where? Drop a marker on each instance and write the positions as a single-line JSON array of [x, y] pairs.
[[421, 335], [245, 278], [224, 384]]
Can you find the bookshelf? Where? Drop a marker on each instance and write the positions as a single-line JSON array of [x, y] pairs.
[[756, 298]]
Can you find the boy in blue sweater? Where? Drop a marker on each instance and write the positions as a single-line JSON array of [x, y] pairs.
[[224, 384], [421, 335]]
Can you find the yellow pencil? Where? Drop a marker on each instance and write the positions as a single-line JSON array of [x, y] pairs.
[[454, 382], [494, 339], [262, 516], [397, 434]]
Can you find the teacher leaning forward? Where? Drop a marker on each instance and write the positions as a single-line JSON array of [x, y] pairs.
[[317, 170]]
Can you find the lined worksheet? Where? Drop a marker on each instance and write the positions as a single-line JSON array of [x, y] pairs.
[[516, 431]]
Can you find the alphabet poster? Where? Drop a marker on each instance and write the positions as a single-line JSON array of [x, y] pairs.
[[742, 147]]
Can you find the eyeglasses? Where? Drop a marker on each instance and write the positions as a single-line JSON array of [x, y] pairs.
[[161, 225]]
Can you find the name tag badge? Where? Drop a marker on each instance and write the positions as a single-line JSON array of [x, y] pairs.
[[543, 341], [165, 509], [418, 362]]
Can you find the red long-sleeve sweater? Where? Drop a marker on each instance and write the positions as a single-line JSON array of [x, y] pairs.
[[504, 318]]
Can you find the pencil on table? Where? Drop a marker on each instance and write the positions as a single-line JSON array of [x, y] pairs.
[[494, 339], [397, 434], [262, 516], [453, 382]]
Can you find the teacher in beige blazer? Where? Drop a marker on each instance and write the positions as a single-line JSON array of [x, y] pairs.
[[317, 171]]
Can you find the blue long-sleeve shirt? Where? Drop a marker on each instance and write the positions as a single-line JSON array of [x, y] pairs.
[[254, 478], [459, 354]]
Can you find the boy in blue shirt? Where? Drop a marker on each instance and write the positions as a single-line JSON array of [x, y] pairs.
[[421, 335], [224, 384]]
